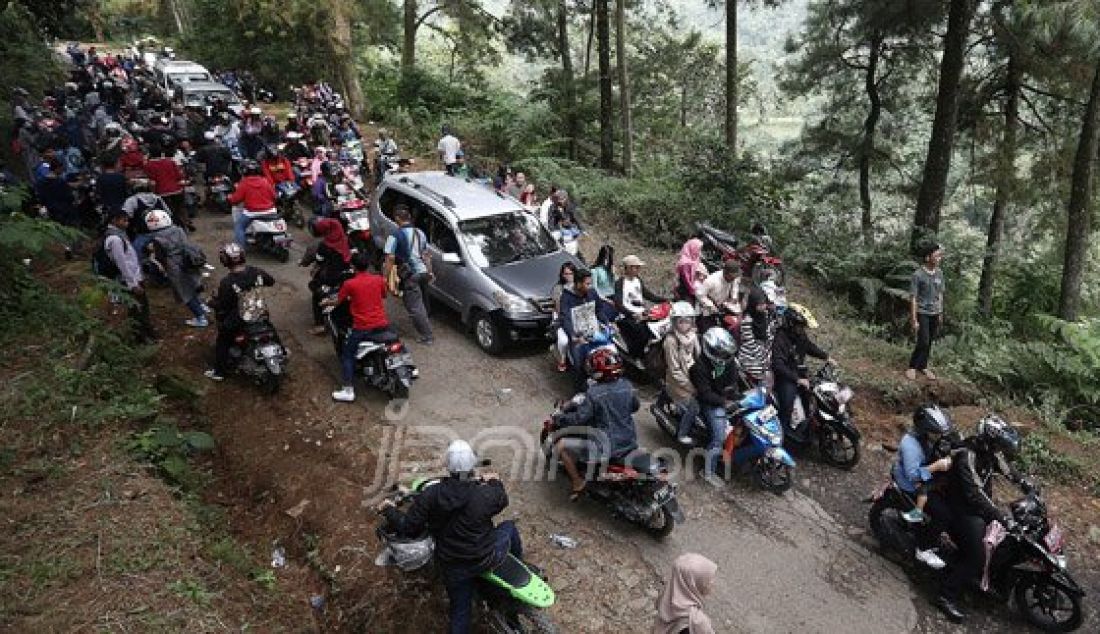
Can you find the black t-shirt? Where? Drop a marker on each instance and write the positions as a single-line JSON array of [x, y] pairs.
[[216, 158], [226, 302], [110, 188]]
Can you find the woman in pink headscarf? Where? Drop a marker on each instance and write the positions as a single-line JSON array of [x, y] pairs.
[[680, 604], [690, 259]]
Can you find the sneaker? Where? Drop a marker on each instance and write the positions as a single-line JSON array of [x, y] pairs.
[[930, 558], [197, 322], [426, 341], [914, 516], [213, 375], [911, 374], [345, 394], [713, 480], [685, 441]]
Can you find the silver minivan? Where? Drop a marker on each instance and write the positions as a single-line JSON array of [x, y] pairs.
[[494, 262]]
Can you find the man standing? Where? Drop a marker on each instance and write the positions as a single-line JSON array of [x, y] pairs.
[[366, 295], [125, 258], [926, 308], [407, 249], [448, 149]]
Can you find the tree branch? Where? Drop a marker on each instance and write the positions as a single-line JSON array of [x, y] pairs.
[[1052, 95]]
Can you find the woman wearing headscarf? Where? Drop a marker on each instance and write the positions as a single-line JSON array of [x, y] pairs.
[[690, 259], [331, 260], [680, 604]]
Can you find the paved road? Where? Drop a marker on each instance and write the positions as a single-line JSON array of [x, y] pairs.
[[786, 564]]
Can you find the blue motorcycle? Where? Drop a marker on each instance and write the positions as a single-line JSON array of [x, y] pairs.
[[754, 437]]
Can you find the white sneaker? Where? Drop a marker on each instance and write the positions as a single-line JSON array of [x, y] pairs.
[[213, 375], [685, 441], [930, 559], [345, 394], [198, 322]]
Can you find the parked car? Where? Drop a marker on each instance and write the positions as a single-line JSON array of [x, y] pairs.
[[202, 94], [494, 263], [173, 73]]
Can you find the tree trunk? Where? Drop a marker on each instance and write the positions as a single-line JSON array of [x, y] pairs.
[[1078, 229], [867, 145], [408, 45], [607, 106], [176, 17], [343, 56], [937, 163], [95, 18], [731, 76], [684, 105], [569, 81], [1006, 184], [624, 86], [591, 33]]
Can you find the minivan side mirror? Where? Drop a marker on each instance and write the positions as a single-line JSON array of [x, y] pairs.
[[452, 258]]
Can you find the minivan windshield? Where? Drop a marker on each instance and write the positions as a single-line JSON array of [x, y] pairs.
[[505, 238], [183, 78]]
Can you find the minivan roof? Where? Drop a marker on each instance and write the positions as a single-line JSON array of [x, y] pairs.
[[463, 197], [174, 64]]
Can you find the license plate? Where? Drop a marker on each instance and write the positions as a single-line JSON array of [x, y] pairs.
[[398, 360]]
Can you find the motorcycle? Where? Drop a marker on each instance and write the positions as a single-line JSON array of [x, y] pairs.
[[286, 200], [257, 351], [637, 488], [218, 187], [757, 260], [657, 324], [1025, 561], [385, 364], [513, 596], [268, 232], [754, 437], [829, 420]]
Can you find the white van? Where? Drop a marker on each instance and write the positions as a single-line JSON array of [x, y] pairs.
[[171, 74]]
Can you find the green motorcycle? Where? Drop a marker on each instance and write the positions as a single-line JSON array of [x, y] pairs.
[[513, 596]]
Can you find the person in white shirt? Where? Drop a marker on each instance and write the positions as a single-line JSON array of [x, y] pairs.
[[448, 149], [721, 294], [631, 296]]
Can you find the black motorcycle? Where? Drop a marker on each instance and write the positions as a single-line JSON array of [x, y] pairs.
[[384, 363], [828, 423], [1025, 561], [637, 489], [257, 352], [218, 187]]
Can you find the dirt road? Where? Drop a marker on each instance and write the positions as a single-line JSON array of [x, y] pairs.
[[796, 563]]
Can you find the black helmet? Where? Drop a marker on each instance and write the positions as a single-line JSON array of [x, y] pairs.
[[998, 436], [250, 167], [332, 169], [231, 254], [930, 419]]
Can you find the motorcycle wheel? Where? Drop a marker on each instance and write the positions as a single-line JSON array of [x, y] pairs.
[[1048, 607], [771, 475], [269, 384], [282, 254], [888, 540], [661, 524], [664, 420], [525, 620], [839, 450]]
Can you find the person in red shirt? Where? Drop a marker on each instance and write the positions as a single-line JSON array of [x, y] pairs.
[[132, 160], [277, 168], [168, 179], [255, 194], [365, 294]]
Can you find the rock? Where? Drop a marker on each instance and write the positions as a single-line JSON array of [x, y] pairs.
[[1094, 534]]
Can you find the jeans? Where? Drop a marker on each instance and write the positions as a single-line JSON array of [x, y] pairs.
[[460, 579], [928, 327], [241, 221], [413, 297], [689, 410], [195, 306], [351, 345], [716, 419]]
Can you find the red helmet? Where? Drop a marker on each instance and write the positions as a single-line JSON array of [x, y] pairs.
[[604, 364]]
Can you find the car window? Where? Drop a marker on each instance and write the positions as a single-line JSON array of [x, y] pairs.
[[390, 199], [441, 235], [505, 238]]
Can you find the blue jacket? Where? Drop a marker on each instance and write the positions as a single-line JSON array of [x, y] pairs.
[[910, 471], [605, 313], [608, 408]]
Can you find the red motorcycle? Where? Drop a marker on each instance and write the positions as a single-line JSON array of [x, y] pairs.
[[757, 259]]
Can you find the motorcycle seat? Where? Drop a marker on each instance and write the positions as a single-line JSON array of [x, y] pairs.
[[719, 235], [638, 461], [265, 214]]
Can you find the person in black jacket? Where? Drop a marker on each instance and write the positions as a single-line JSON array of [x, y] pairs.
[[971, 506], [226, 303], [789, 350], [713, 376], [458, 513]]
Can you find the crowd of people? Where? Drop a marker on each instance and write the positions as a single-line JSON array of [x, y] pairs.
[[727, 332]]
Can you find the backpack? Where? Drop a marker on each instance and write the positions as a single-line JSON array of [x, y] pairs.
[[102, 264]]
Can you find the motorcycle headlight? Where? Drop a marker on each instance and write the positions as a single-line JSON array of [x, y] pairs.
[[512, 304]]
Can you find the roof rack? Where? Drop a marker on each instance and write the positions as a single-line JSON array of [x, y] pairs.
[[446, 200]]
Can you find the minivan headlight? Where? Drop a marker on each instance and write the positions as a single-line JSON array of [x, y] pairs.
[[512, 303]]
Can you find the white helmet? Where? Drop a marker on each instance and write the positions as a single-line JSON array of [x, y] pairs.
[[682, 310], [209, 135], [460, 457], [158, 219]]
